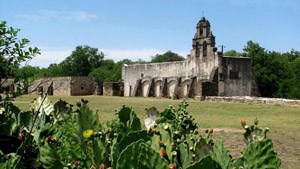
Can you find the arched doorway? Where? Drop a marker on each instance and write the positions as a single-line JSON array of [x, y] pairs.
[[50, 90]]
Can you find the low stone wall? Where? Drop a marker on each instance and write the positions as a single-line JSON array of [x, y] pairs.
[[248, 99]]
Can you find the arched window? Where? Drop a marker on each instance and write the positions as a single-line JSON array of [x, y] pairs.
[[204, 49], [50, 90], [197, 49], [201, 31]]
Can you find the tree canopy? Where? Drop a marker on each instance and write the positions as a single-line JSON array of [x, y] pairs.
[[14, 51], [82, 61], [277, 74], [233, 53], [169, 56]]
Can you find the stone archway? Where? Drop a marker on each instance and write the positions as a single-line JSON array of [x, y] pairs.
[[40, 90], [185, 88], [50, 90], [158, 87], [146, 85], [172, 88]]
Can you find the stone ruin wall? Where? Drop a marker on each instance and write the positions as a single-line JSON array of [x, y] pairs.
[[112, 89], [8, 85], [60, 86], [251, 100], [64, 86], [83, 86], [237, 78]]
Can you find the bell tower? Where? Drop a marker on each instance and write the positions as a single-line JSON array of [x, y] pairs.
[[204, 40]]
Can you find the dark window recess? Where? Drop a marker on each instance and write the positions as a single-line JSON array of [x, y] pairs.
[[130, 90], [81, 87], [233, 74], [204, 49], [197, 49]]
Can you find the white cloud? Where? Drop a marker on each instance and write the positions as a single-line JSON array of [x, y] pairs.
[[49, 56], [59, 15]]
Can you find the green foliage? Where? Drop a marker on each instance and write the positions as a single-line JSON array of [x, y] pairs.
[[129, 118], [82, 61], [60, 136], [254, 133], [169, 56], [221, 155], [13, 52], [140, 155], [205, 162], [11, 163], [49, 157], [260, 154], [275, 72], [233, 53]]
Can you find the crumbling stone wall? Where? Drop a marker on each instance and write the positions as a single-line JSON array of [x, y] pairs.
[[237, 77], [255, 100], [64, 86], [81, 85], [8, 85], [59, 86], [112, 89]]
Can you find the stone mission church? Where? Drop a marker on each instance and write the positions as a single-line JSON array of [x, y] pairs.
[[205, 72]]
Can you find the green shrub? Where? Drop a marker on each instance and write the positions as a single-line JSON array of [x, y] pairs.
[[62, 135]]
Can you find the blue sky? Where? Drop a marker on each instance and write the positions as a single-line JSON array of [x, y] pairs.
[[139, 29]]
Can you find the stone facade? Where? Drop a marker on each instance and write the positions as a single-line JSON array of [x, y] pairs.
[[205, 72], [65, 86], [112, 89], [8, 85]]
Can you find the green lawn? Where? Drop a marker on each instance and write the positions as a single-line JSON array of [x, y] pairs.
[[283, 121]]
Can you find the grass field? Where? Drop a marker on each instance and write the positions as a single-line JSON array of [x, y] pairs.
[[283, 121]]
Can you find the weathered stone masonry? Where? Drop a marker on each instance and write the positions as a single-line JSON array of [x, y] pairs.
[[65, 86], [205, 72]]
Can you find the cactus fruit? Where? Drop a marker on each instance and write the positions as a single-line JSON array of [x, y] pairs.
[[254, 133]]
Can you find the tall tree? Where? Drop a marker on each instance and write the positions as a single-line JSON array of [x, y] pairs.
[[105, 72], [13, 51], [271, 69], [82, 61], [169, 56]]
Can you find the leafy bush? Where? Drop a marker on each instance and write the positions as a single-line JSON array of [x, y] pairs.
[[61, 135]]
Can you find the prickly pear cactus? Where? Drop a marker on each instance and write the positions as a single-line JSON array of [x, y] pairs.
[[221, 155], [131, 137], [175, 136], [260, 154], [205, 163], [253, 132], [202, 149], [128, 117], [49, 157], [140, 155]]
